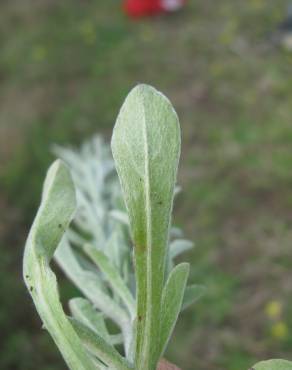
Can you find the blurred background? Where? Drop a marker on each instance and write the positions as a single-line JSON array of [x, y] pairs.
[[65, 68]]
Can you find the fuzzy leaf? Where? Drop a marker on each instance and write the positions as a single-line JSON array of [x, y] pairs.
[[89, 284], [83, 311], [192, 294], [146, 149], [100, 348], [113, 277], [179, 246], [273, 365], [172, 298], [119, 216], [53, 217], [176, 247]]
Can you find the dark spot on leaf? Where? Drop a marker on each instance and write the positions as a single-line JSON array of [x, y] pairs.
[[160, 203], [31, 288], [59, 226], [139, 318], [27, 277]]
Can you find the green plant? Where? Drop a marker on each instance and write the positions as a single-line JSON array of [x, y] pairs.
[[141, 300], [95, 251]]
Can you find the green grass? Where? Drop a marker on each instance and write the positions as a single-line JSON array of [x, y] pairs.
[[64, 71]]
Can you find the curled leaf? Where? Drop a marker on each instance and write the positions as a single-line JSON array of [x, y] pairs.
[[53, 217]]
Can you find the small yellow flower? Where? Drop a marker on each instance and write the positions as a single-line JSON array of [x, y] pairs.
[[274, 309], [279, 330]]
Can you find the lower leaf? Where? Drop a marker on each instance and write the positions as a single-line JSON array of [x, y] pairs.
[[172, 298], [273, 365]]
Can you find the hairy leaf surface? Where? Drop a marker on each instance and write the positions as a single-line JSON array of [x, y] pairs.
[[113, 276], [146, 149], [172, 298], [273, 365], [100, 348], [83, 311], [53, 217], [192, 294]]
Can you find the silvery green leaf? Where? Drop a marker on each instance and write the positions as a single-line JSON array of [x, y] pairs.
[[177, 190], [100, 348], [120, 216], [192, 294], [75, 237], [176, 247], [90, 285], [146, 149], [132, 344], [69, 156], [179, 246], [83, 311], [117, 249], [172, 298], [273, 365], [52, 219], [113, 277], [73, 264], [176, 232], [91, 168], [116, 339]]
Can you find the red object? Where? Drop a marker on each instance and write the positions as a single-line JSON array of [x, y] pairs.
[[141, 8]]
